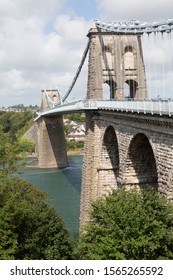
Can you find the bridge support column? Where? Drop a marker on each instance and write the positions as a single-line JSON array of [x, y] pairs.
[[51, 143], [90, 167]]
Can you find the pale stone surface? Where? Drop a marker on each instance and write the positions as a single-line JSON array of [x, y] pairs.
[[52, 147], [141, 153], [115, 60], [122, 148], [51, 139]]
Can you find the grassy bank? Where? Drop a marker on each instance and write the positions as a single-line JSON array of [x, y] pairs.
[[76, 152]]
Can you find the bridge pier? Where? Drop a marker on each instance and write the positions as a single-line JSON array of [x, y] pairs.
[[51, 143], [125, 149], [89, 169], [51, 146], [100, 165]]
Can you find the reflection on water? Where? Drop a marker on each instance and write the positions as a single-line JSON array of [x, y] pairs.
[[63, 185]]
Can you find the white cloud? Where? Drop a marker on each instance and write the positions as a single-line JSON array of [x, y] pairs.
[[41, 44], [30, 8], [72, 30], [135, 9], [39, 47]]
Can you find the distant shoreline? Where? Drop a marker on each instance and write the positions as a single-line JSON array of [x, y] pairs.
[[77, 152]]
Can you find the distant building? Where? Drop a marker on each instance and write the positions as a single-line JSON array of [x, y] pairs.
[[76, 130]]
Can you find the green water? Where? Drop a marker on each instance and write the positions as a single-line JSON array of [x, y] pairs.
[[64, 186]]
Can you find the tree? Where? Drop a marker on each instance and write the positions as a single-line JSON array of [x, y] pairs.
[[13, 151], [78, 117], [29, 227], [16, 122], [129, 225]]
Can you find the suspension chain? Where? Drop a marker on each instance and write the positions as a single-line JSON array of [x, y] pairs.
[[136, 27], [77, 72]]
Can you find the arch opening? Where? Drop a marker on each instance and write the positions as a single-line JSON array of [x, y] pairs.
[[140, 166], [109, 89], [128, 49], [109, 162], [130, 89], [55, 98]]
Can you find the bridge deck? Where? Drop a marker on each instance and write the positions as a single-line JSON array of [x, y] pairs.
[[153, 106]]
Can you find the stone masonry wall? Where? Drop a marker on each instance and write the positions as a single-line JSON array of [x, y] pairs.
[[145, 151], [52, 146], [108, 64]]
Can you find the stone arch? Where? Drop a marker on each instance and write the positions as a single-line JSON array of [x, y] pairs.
[[140, 166], [111, 92], [109, 162], [132, 88]]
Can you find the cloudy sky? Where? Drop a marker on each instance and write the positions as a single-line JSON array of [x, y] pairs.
[[41, 42]]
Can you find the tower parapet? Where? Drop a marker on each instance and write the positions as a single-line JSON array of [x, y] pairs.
[[49, 98]]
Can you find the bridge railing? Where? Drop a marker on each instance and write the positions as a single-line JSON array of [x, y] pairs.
[[148, 106]]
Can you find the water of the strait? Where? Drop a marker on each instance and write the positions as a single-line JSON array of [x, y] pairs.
[[64, 186]]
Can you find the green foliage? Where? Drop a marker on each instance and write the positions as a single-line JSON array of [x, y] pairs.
[[78, 117], [26, 145], [16, 122], [13, 151], [73, 144], [129, 225], [12, 146], [29, 227], [66, 129]]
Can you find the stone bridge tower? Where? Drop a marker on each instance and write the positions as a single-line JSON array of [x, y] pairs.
[[115, 60], [51, 145]]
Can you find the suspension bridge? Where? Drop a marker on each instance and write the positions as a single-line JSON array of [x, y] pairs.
[[129, 132], [155, 105]]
